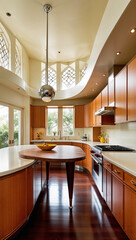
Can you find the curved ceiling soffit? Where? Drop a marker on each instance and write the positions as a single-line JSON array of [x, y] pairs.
[[106, 26]]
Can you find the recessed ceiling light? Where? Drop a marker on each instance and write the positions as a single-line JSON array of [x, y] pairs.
[[96, 83], [103, 75], [58, 51], [8, 14], [18, 88], [118, 53], [133, 30]]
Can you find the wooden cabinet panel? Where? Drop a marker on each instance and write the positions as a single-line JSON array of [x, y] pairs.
[[37, 116], [117, 171], [117, 199], [85, 160], [98, 105], [111, 90], [79, 163], [93, 111], [104, 183], [130, 180], [130, 212], [121, 97], [87, 115], [105, 101], [87, 163], [13, 198], [107, 182], [30, 203], [108, 193], [132, 90], [79, 116]]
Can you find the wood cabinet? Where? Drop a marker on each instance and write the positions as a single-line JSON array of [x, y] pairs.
[[129, 206], [30, 190], [105, 101], [98, 105], [87, 115], [13, 199], [79, 116], [111, 90], [121, 96], [107, 182], [37, 116], [87, 163], [117, 199], [132, 90]]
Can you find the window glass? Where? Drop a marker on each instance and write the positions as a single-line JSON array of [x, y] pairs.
[[4, 126], [68, 122], [4, 54], [52, 122], [17, 127], [68, 78], [17, 62], [52, 77]]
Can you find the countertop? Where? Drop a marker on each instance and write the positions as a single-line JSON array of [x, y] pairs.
[[10, 161]]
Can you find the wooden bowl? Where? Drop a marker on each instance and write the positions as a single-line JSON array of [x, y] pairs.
[[46, 147]]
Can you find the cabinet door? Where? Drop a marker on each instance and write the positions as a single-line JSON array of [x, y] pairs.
[[121, 97], [93, 111], [89, 160], [108, 193], [111, 90], [117, 199], [104, 183], [132, 91], [105, 97], [37, 116], [85, 160], [79, 163], [130, 212], [79, 116], [98, 105], [87, 112]]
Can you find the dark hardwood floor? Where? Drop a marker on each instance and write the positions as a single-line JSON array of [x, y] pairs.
[[90, 218]]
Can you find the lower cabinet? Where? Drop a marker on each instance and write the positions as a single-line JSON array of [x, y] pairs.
[[117, 199], [87, 163], [79, 163], [119, 188]]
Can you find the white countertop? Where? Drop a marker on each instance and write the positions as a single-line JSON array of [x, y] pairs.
[[10, 161], [123, 160]]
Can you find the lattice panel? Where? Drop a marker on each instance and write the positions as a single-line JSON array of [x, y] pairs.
[[4, 54], [17, 62], [82, 73], [52, 77], [68, 78]]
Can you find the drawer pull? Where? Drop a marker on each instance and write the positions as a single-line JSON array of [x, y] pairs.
[[107, 164], [116, 171], [133, 183]]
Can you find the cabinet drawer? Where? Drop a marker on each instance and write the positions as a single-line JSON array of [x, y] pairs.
[[118, 172], [107, 164], [130, 180]]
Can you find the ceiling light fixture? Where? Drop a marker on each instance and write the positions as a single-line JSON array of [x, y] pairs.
[[8, 14], [46, 91], [118, 53], [133, 30]]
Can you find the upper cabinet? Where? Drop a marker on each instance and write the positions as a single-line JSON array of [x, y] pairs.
[[87, 115], [105, 101], [132, 90], [98, 105], [37, 116], [79, 116], [121, 96], [111, 89]]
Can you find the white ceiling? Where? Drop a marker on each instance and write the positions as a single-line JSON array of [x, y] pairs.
[[73, 25]]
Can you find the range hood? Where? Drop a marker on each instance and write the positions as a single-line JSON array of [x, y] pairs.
[[105, 111]]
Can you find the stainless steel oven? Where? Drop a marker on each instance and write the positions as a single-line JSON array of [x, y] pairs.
[[97, 169]]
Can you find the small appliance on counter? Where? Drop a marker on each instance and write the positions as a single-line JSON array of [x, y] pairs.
[[84, 138]]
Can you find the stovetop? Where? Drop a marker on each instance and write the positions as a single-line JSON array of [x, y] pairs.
[[113, 148]]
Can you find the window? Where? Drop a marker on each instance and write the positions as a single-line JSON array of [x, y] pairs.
[[83, 70], [52, 121], [60, 118], [68, 124], [17, 127], [4, 53], [17, 61], [4, 126], [52, 76], [68, 78]]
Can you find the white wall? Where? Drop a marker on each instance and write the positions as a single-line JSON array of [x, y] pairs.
[[123, 134]]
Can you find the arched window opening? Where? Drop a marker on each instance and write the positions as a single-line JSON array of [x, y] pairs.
[[83, 71], [68, 78], [4, 52], [52, 76], [17, 61]]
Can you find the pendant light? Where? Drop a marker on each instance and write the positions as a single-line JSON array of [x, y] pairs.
[[46, 91]]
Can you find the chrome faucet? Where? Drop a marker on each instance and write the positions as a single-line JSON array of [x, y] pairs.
[[59, 134]]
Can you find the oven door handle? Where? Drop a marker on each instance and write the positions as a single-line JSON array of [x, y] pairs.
[[93, 157]]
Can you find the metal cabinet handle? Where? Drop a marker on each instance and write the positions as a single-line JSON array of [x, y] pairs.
[[116, 171], [133, 183]]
